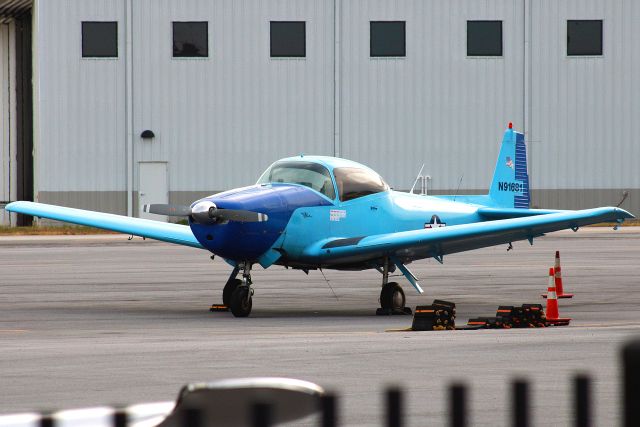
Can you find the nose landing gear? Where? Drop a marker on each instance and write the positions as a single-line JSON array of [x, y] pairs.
[[241, 292]]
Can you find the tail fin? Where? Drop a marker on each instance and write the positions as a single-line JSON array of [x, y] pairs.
[[510, 184]]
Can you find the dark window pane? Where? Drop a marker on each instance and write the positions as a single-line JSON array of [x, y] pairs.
[[190, 39], [484, 38], [387, 38], [584, 37], [355, 182], [99, 39], [288, 39]]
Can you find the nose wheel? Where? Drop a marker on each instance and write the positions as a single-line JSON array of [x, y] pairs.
[[232, 285], [240, 293], [241, 301]]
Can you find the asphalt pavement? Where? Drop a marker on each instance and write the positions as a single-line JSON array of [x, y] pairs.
[[94, 320]]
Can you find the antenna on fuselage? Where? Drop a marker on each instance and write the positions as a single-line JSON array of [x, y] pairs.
[[625, 194], [424, 180], [417, 179], [458, 189]]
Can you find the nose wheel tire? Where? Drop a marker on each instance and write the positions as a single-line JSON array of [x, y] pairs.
[[392, 297], [241, 301], [230, 286]]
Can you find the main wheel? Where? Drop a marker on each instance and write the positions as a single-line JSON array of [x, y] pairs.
[[392, 297], [229, 287], [240, 303]]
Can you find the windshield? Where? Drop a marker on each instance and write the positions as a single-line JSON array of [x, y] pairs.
[[357, 182], [309, 174]]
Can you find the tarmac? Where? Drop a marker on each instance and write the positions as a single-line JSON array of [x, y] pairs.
[[95, 320]]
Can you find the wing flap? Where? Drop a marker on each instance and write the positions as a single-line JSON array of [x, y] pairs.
[[165, 232], [417, 244], [506, 213]]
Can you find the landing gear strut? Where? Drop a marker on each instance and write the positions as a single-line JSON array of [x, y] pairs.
[[240, 301], [392, 299]]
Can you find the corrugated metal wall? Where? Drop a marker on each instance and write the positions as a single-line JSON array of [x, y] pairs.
[[5, 123], [220, 120], [436, 105], [8, 156], [584, 109], [8, 177], [80, 102]]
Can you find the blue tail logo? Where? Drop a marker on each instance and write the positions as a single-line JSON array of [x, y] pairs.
[[510, 185]]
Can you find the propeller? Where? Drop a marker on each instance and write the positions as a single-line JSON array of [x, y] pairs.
[[206, 212]]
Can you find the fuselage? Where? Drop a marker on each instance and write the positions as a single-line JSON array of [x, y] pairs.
[[303, 213]]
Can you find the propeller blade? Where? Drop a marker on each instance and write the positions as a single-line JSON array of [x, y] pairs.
[[169, 210], [239, 215], [206, 212]]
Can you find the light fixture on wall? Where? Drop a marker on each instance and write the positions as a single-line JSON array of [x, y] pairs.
[[147, 134]]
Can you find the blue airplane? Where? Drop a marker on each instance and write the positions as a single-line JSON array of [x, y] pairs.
[[317, 212]]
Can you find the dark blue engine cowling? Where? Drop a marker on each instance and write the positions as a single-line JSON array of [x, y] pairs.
[[247, 241]]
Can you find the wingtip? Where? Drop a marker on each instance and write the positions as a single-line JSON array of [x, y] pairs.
[[622, 213], [629, 215], [13, 206]]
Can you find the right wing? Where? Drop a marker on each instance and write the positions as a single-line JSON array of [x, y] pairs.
[[437, 242], [163, 231], [491, 214]]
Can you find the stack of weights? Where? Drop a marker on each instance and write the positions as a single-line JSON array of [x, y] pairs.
[[512, 317], [534, 315], [488, 322], [440, 315], [508, 316]]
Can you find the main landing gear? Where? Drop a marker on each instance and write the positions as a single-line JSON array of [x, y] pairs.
[[237, 293], [392, 299]]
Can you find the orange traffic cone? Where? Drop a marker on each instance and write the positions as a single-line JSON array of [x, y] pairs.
[[552, 313], [559, 291], [558, 279]]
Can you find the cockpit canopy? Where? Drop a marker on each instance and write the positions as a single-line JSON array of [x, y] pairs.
[[351, 182], [309, 174]]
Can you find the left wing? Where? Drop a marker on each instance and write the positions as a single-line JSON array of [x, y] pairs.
[[417, 244], [172, 233]]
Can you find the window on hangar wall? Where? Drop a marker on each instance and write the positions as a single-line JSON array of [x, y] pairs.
[[288, 39], [99, 39], [484, 38], [584, 37], [190, 39], [387, 38]]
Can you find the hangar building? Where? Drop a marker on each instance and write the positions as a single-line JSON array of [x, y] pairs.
[[109, 104]]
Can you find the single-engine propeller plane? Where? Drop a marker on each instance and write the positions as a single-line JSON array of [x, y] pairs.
[[316, 212]]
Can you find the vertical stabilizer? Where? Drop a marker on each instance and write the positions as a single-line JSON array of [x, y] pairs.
[[510, 184]]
